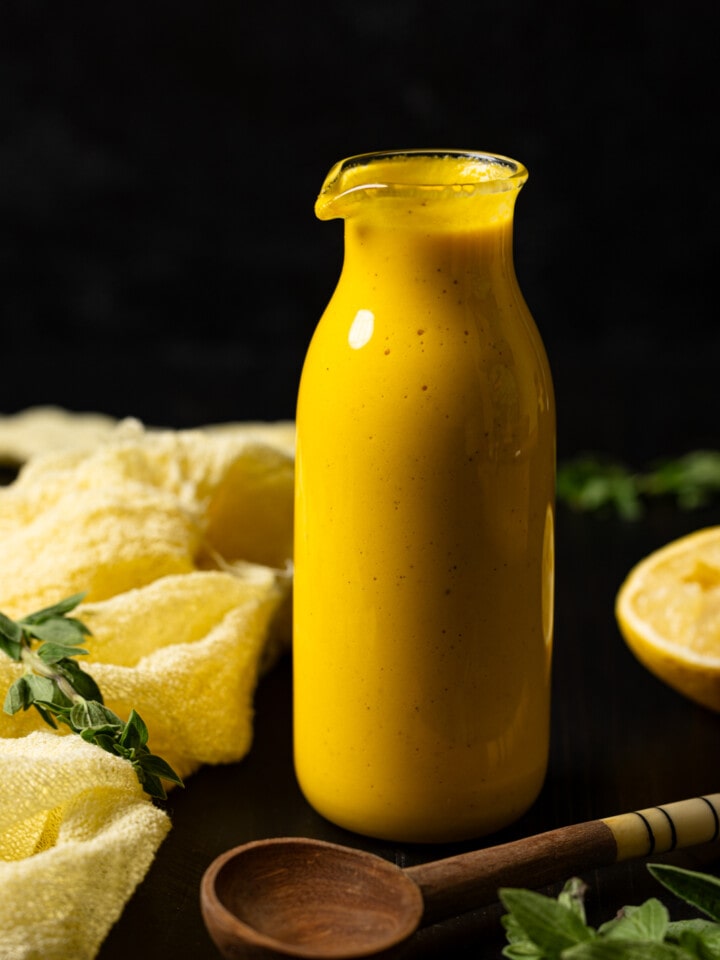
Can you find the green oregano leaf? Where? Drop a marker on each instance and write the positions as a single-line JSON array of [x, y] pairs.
[[55, 652], [537, 927], [135, 733], [572, 896], [591, 482], [10, 638], [647, 922], [91, 715], [41, 688], [706, 946], [10, 649], [551, 925], [105, 740], [519, 946], [708, 931], [60, 690], [67, 632], [84, 716], [699, 889], [523, 950], [151, 784], [81, 681], [693, 479], [56, 610], [158, 767], [18, 697], [46, 714]]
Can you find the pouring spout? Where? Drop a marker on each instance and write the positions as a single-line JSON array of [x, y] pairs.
[[418, 176]]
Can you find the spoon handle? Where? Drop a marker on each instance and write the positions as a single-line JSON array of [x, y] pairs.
[[468, 880]]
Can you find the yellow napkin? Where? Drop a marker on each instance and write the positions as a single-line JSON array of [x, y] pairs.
[[183, 542], [77, 835], [39, 429]]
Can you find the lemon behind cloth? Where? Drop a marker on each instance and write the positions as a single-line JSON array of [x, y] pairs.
[[668, 610]]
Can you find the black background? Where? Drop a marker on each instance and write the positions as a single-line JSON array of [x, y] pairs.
[[159, 257], [159, 160]]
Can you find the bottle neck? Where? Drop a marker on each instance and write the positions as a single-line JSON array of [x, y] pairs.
[[438, 254]]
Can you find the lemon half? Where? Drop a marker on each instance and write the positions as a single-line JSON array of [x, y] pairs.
[[668, 611]]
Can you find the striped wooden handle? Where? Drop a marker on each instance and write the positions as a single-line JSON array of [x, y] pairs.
[[466, 881], [669, 827]]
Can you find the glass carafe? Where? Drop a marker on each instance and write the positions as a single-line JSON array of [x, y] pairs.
[[423, 596]]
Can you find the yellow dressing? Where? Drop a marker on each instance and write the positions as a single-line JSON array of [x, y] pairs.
[[424, 512]]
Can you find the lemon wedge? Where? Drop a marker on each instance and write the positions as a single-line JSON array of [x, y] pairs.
[[668, 611]]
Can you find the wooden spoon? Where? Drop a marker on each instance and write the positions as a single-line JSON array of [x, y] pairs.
[[293, 897]]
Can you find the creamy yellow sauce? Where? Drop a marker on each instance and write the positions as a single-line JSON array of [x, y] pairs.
[[424, 519]]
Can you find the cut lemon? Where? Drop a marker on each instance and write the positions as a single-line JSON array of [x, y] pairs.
[[668, 610]]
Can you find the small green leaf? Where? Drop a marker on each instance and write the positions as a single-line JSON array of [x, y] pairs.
[[18, 697], [572, 896], [523, 950], [647, 922], [107, 741], [703, 946], [135, 733], [9, 629], [159, 768], [589, 483], [80, 715], [513, 930], [699, 889], [46, 693], [80, 680], [92, 715], [10, 638], [45, 714], [151, 784], [10, 649], [54, 652], [551, 925], [42, 688], [692, 478], [703, 928], [56, 610], [68, 632]]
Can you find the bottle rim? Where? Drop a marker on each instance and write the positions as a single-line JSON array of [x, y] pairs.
[[396, 173]]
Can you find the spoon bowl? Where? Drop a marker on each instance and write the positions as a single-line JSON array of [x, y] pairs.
[[291, 897]]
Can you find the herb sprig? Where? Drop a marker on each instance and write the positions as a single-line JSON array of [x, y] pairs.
[[591, 483], [542, 928], [46, 643]]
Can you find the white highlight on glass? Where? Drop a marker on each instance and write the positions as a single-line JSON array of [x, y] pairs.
[[361, 329]]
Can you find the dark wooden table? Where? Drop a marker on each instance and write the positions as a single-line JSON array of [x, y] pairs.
[[621, 741]]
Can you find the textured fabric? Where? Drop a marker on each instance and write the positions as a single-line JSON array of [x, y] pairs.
[[77, 835], [183, 543]]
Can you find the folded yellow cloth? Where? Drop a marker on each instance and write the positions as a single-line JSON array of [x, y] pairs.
[[77, 835], [183, 542]]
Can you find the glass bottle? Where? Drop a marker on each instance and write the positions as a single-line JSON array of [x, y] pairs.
[[424, 559]]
